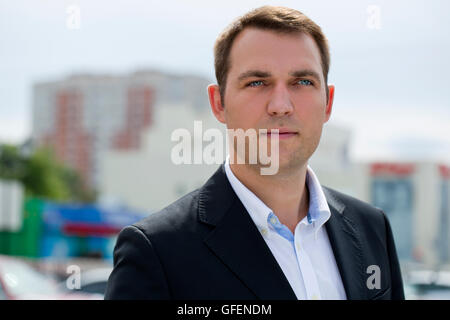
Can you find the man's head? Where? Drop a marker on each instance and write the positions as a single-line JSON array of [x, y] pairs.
[[277, 19], [272, 68]]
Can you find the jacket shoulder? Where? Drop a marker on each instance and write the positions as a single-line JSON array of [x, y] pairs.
[[350, 201], [173, 217], [370, 220]]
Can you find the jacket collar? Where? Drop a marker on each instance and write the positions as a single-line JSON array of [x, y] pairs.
[[238, 243], [347, 248]]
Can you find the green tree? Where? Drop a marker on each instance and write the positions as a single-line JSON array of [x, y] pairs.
[[42, 175], [12, 165]]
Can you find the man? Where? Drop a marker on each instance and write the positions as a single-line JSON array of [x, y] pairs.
[[244, 235]]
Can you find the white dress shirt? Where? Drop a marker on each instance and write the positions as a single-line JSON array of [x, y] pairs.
[[306, 257]]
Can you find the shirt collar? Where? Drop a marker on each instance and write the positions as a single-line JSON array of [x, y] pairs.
[[318, 212]]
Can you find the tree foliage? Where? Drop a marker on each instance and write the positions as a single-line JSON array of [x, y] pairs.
[[42, 175]]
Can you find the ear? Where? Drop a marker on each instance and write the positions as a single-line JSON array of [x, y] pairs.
[[329, 106], [216, 103]]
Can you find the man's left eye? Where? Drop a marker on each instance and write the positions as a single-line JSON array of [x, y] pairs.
[[305, 82]]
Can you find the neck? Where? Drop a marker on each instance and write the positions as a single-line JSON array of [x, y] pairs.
[[285, 193]]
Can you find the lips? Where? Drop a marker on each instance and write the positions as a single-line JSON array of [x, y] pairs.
[[282, 130], [283, 133]]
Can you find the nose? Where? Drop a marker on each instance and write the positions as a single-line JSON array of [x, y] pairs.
[[280, 103]]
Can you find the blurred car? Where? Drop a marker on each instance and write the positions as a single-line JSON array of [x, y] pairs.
[[19, 281], [427, 285], [92, 281]]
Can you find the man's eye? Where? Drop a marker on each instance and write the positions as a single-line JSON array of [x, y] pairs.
[[256, 83], [305, 82]]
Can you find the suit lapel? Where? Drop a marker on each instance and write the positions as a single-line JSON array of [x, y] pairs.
[[238, 243], [346, 245]]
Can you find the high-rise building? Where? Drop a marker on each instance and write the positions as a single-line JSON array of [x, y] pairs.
[[415, 197], [84, 115]]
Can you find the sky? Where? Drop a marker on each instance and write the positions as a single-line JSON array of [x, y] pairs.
[[389, 59]]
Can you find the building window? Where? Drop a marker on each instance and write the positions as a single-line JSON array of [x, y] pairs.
[[394, 195]]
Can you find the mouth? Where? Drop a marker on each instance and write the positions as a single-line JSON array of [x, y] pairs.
[[283, 133]]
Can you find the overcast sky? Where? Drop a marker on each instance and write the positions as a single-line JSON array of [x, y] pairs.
[[391, 82]]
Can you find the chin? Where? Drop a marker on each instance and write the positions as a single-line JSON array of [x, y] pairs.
[[292, 161]]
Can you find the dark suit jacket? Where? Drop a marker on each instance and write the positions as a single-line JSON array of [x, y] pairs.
[[205, 246]]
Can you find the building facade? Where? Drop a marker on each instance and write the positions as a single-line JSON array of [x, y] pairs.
[[84, 115]]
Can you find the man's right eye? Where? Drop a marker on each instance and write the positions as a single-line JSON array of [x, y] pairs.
[[255, 83]]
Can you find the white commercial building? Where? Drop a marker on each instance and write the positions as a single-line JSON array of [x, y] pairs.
[[147, 178], [11, 205]]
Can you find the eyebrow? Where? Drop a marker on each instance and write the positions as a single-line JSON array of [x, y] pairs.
[[265, 74]]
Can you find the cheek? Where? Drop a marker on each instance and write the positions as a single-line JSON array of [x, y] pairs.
[[310, 108], [311, 116], [239, 117], [309, 96], [243, 113]]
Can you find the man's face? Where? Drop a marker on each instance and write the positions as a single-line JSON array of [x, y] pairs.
[[275, 81]]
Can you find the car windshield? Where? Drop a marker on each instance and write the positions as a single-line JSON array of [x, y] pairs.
[[21, 279]]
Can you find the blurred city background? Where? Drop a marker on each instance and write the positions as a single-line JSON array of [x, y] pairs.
[[90, 92]]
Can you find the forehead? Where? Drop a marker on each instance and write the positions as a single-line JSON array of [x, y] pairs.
[[274, 52]]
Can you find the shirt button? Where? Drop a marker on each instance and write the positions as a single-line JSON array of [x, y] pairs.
[[315, 297], [298, 246], [264, 231], [273, 220]]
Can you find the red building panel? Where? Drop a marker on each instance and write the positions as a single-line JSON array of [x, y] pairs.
[[444, 171], [138, 118], [386, 168], [69, 140]]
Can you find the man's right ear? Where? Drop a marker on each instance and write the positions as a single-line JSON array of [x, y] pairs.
[[216, 102]]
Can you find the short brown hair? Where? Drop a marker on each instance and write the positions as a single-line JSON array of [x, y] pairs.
[[278, 19]]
